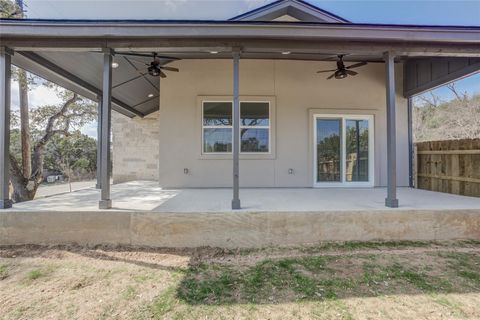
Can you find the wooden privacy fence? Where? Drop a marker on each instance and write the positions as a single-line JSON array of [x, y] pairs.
[[451, 166]]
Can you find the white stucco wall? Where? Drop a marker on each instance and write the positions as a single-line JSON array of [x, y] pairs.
[[299, 92]]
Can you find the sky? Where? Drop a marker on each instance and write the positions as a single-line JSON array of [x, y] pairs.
[[421, 12]]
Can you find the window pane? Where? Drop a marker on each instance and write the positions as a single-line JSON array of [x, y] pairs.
[[217, 140], [254, 113], [357, 150], [254, 140], [328, 150], [217, 114]]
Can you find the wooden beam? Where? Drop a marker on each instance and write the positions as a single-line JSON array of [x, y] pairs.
[[466, 152], [463, 179]]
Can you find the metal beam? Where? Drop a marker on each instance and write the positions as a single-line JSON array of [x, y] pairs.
[[105, 201], [5, 76], [236, 130], [391, 200], [99, 143], [73, 78]]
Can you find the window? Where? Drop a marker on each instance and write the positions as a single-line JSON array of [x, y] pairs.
[[218, 126], [343, 150], [255, 126]]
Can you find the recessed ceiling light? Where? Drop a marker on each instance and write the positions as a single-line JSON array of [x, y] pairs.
[[286, 52], [213, 52], [114, 65], [150, 95]]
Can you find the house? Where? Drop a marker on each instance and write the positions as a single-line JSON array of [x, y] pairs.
[[286, 95]]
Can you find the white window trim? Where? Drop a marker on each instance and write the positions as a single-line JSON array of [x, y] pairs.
[[371, 152], [271, 154]]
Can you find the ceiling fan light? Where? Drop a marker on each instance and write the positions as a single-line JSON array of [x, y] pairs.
[[286, 52], [150, 95], [213, 52], [340, 74], [154, 71]]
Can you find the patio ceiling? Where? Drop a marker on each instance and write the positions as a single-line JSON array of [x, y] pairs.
[[69, 52]]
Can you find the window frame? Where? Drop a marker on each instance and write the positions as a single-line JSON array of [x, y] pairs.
[[371, 152], [271, 154]]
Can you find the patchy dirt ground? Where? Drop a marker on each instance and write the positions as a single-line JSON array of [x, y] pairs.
[[408, 280]]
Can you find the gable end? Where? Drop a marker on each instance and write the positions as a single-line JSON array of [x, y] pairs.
[[297, 9]]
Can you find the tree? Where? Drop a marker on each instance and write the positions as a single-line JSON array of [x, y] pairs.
[[10, 9], [435, 119], [48, 122], [75, 154]]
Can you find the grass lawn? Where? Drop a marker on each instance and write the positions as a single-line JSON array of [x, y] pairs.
[[402, 280]]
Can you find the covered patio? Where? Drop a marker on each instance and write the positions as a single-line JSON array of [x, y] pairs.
[[55, 49], [148, 196]]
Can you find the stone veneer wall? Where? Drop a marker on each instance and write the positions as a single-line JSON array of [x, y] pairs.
[[135, 148]]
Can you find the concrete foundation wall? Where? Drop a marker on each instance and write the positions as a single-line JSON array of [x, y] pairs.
[[135, 148], [232, 230]]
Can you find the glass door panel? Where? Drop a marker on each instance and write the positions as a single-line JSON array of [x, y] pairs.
[[328, 161], [356, 154]]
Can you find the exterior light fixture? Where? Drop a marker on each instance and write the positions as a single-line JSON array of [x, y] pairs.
[[213, 52], [150, 95], [153, 70], [114, 65], [286, 52]]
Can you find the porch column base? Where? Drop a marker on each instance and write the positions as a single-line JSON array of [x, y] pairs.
[[391, 203], [236, 204], [105, 204], [5, 204]]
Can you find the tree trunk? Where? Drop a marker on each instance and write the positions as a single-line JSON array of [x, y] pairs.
[[23, 188], [25, 124]]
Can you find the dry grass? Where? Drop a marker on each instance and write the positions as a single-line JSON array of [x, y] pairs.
[[409, 280]]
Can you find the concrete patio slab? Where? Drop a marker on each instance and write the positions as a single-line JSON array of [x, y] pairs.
[[144, 214], [149, 196]]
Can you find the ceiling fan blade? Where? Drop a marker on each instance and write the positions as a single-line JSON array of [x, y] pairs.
[[162, 75], [170, 69], [322, 71], [331, 76], [356, 65], [350, 72]]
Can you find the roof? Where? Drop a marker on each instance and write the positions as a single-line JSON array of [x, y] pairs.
[[299, 9], [67, 52]]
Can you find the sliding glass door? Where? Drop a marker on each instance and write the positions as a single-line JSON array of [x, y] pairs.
[[343, 151]]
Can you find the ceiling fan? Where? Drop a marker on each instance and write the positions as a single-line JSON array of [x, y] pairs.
[[155, 68], [342, 71]]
